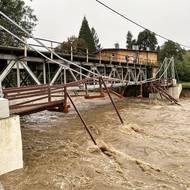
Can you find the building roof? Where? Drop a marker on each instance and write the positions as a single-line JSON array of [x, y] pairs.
[[123, 49]]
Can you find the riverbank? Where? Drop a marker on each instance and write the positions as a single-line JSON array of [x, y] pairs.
[[151, 151]]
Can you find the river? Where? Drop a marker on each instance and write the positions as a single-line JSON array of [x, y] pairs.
[[150, 151]]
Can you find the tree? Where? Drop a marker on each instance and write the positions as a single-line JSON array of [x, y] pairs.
[[171, 49], [86, 35], [96, 39], [78, 46], [129, 40], [21, 14], [183, 68], [147, 39], [182, 58]]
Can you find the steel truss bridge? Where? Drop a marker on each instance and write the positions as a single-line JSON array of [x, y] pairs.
[[34, 79]]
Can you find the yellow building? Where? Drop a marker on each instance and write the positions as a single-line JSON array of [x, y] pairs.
[[130, 56]]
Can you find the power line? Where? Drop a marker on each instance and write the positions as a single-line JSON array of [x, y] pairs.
[[137, 24]]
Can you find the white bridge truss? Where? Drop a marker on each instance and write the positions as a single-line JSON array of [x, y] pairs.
[[68, 71]]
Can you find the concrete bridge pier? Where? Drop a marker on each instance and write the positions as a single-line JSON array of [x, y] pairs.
[[175, 90], [11, 155]]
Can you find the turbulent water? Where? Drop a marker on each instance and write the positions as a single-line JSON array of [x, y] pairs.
[[150, 151]]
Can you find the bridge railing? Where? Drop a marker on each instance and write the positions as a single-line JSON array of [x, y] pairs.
[[99, 57], [38, 95], [42, 95]]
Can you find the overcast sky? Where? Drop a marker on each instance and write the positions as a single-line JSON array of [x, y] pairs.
[[60, 19]]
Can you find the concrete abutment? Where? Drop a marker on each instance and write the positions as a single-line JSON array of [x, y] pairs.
[[11, 154]]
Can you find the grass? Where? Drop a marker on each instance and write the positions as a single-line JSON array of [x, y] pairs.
[[185, 84]]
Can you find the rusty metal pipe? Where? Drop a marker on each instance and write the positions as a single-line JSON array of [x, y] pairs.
[[27, 102], [82, 120], [106, 88]]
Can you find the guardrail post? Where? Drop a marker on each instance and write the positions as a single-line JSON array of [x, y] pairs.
[[86, 89], [100, 58], [71, 53], [101, 89], [18, 73], [51, 50], [49, 93], [25, 48], [44, 73], [87, 55], [65, 106]]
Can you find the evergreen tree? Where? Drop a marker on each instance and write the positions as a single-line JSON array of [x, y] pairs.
[[96, 39], [133, 43], [86, 35], [129, 40], [21, 14], [147, 39]]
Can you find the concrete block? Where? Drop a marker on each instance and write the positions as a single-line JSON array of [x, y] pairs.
[[11, 155], [1, 186], [4, 108], [175, 91]]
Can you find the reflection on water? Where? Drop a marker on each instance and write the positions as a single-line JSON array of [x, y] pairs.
[[151, 151]]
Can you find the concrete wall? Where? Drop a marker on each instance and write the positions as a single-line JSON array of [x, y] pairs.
[[4, 111], [1, 186], [11, 157], [175, 91]]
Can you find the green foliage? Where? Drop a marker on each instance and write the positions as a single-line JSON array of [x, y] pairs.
[[21, 14], [96, 39], [183, 68], [182, 58], [78, 46], [86, 34], [147, 39], [171, 49]]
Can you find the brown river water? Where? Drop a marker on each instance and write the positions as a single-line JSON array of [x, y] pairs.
[[151, 151]]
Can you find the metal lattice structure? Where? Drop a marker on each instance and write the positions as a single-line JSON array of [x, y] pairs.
[[69, 74]]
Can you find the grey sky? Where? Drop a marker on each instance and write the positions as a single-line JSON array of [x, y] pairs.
[[59, 19]]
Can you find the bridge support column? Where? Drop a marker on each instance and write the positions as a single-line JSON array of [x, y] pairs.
[[10, 140], [175, 91]]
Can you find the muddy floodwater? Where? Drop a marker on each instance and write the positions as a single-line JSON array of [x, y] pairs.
[[151, 151]]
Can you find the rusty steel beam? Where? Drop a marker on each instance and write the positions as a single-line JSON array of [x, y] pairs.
[[121, 120], [25, 88], [94, 96], [39, 108], [29, 105], [27, 102], [26, 96], [82, 120], [115, 93]]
